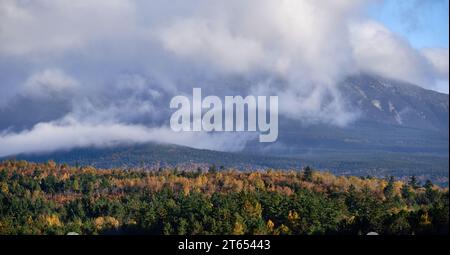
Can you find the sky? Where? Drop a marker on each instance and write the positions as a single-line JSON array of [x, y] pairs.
[[83, 73], [423, 23]]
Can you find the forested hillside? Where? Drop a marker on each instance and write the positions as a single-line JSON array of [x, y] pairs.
[[50, 198], [152, 156]]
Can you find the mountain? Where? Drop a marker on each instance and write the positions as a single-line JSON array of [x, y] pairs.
[[155, 155], [393, 116], [397, 103], [402, 130]]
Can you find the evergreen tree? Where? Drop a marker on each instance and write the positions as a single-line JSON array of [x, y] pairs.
[[308, 174], [413, 182], [407, 194], [213, 169], [430, 193], [199, 171], [389, 189]]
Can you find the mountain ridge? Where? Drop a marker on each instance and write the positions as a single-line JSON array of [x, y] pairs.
[[402, 131]]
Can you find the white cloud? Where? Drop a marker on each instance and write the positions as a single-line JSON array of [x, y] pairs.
[[303, 42], [309, 41], [53, 27], [48, 83], [205, 41], [69, 133], [296, 39], [439, 58], [378, 50], [120, 61]]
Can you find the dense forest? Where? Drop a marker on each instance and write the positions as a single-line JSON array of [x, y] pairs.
[[50, 198]]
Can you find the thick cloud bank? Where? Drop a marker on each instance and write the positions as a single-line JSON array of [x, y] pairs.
[[111, 66]]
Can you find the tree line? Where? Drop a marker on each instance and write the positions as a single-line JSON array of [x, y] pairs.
[[55, 198]]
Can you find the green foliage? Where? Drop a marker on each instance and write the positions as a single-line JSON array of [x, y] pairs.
[[413, 182], [307, 174], [53, 199], [389, 190], [213, 169]]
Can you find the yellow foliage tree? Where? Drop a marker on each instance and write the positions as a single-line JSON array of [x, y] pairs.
[[424, 219], [239, 228], [4, 187], [282, 230], [270, 225], [53, 220], [106, 222], [293, 216], [253, 210]]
